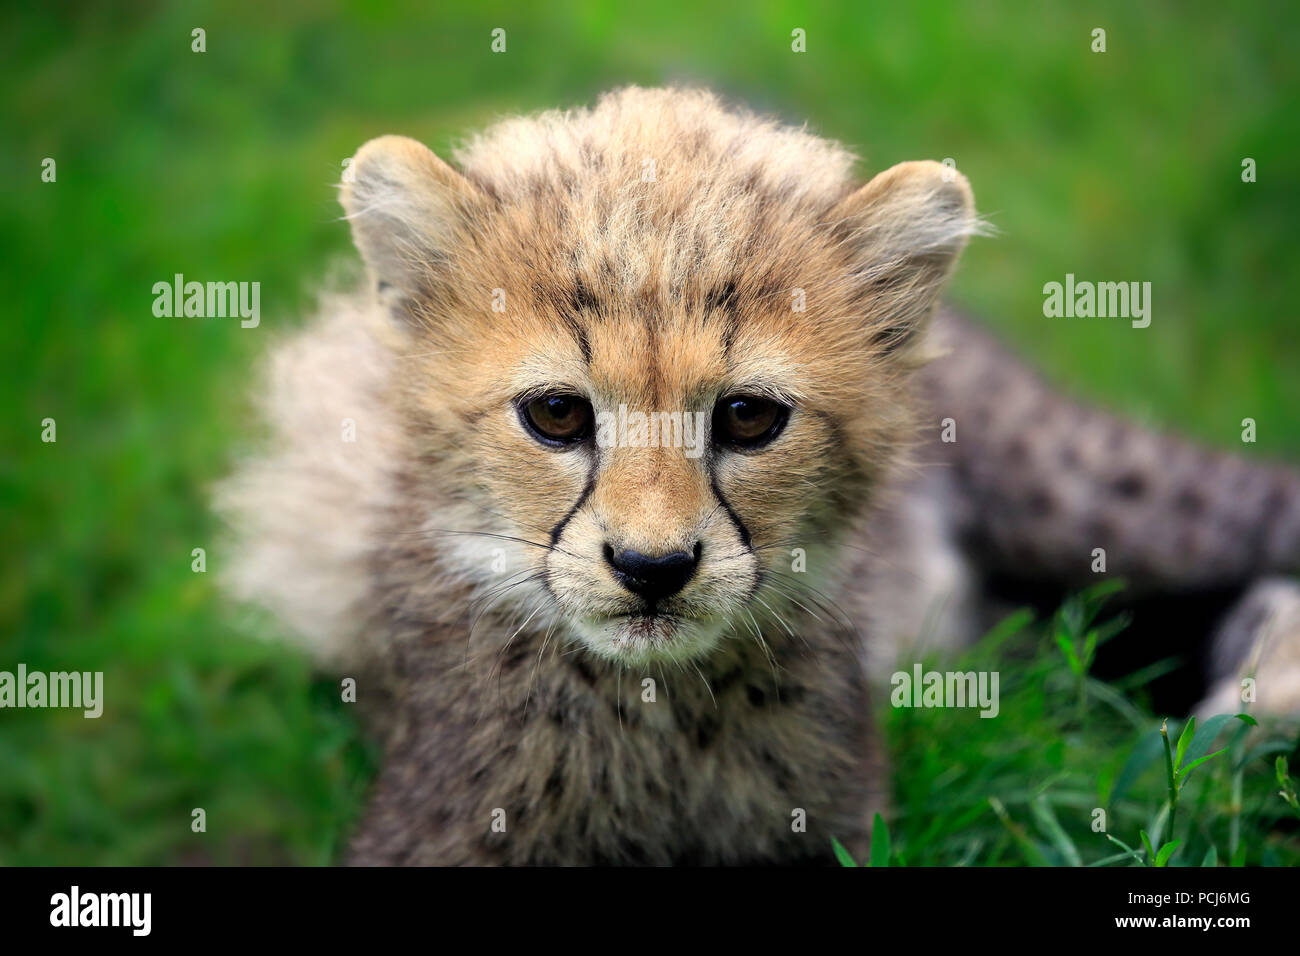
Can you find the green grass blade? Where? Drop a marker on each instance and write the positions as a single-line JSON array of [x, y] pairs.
[[1196, 763], [1166, 851], [1067, 648], [841, 854], [1146, 842], [1134, 855], [1051, 827], [879, 842], [1027, 846], [1183, 740], [1206, 733]]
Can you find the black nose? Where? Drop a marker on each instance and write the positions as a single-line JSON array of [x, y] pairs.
[[653, 578]]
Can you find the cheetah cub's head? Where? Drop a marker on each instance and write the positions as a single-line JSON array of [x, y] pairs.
[[655, 346]]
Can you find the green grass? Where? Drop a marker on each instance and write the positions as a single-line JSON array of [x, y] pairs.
[[1122, 165], [1069, 760]]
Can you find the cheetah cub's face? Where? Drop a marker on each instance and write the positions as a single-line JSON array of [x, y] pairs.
[[649, 394]]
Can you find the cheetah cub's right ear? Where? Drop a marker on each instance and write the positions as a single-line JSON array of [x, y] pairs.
[[406, 207]]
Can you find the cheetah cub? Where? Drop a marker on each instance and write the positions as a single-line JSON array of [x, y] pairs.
[[620, 485]]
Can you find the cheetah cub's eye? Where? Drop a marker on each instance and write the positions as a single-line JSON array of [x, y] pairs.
[[748, 422], [557, 420]]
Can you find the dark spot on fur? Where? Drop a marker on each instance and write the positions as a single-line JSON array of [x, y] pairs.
[[889, 283], [756, 697], [891, 338], [1276, 498], [792, 693], [545, 296], [580, 335], [771, 291], [554, 783], [724, 683], [1131, 484], [514, 657], [646, 298], [537, 185], [729, 336], [1040, 503], [681, 714], [1190, 502], [1100, 531], [723, 297], [581, 298], [583, 670], [780, 772], [593, 157], [630, 853], [1189, 542], [706, 731]]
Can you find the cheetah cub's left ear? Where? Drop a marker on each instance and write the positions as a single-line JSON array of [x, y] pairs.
[[406, 207], [905, 230]]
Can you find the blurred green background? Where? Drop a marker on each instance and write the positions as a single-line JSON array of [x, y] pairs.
[[1123, 165]]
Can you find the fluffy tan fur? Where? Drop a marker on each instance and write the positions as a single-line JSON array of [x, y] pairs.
[[658, 252]]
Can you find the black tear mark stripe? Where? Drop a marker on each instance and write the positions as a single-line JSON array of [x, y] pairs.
[[745, 538], [731, 512], [582, 500]]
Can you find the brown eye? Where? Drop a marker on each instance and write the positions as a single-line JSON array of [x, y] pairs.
[[558, 419], [748, 422]]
